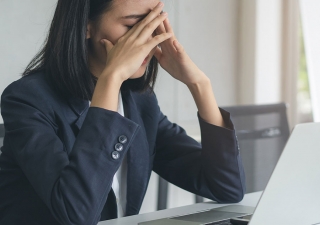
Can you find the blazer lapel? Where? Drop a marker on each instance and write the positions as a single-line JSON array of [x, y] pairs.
[[80, 108], [137, 158]]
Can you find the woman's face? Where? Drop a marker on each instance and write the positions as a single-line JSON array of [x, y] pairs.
[[113, 25]]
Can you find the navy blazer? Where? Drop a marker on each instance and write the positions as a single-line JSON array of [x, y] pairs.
[[57, 165]]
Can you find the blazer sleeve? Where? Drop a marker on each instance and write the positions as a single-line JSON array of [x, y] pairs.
[[213, 170], [74, 187]]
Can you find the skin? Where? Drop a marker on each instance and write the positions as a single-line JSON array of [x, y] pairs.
[[121, 47]]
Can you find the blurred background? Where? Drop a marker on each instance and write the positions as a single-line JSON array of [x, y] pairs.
[[252, 50]]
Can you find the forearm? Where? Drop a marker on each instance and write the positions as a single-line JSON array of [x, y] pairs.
[[206, 102], [106, 92], [212, 170]]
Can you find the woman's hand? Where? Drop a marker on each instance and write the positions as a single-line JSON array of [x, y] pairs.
[[175, 60], [127, 55], [178, 64]]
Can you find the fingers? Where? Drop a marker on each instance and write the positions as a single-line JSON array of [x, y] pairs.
[[167, 26], [178, 46], [164, 45], [151, 16], [161, 29], [157, 40], [151, 27], [172, 42], [107, 44], [158, 53]]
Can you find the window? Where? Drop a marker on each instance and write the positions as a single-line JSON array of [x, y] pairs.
[[304, 100]]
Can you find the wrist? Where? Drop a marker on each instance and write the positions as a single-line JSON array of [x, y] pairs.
[[106, 92], [110, 77], [200, 84]]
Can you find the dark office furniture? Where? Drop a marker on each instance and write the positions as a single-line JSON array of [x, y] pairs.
[[162, 194], [1, 134], [262, 132]]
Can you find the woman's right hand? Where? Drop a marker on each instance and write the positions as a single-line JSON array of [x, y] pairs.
[[127, 55]]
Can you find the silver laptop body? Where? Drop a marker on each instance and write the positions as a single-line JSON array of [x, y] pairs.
[[292, 195]]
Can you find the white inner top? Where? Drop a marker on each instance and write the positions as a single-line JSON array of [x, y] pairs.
[[119, 184]]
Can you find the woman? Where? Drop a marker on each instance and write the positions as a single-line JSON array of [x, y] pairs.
[[84, 129]]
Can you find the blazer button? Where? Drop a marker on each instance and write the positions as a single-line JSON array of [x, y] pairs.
[[115, 155], [123, 139], [118, 147]]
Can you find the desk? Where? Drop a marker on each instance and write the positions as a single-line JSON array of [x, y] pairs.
[[249, 200]]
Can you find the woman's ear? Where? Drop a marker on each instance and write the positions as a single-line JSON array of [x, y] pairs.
[[88, 34]]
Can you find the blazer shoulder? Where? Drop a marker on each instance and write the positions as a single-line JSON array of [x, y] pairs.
[[28, 84], [33, 90]]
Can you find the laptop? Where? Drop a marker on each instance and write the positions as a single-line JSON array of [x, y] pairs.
[[292, 195]]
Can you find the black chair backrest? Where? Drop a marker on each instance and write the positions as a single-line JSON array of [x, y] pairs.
[[262, 132], [1, 134]]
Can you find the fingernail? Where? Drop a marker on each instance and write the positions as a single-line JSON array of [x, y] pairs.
[[164, 14], [160, 4]]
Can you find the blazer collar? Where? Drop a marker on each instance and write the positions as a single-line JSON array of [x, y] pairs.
[[80, 108], [78, 105]]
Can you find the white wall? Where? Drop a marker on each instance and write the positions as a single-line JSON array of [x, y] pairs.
[[268, 52], [260, 77], [24, 24]]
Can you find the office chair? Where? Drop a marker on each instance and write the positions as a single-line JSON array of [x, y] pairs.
[[262, 132], [162, 194], [1, 134]]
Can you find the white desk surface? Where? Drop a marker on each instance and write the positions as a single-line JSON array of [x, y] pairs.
[[249, 200]]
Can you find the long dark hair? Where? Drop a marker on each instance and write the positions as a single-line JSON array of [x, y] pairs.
[[64, 55]]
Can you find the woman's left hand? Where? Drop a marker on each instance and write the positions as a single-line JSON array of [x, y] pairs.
[[175, 60], [178, 64]]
